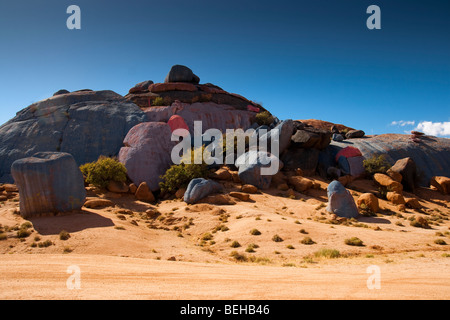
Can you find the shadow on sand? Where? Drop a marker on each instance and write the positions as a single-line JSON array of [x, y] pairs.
[[70, 222]]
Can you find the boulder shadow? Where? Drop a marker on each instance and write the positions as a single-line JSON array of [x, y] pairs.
[[71, 222], [366, 219]]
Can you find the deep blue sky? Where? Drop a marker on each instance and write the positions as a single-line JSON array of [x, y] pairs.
[[300, 59]]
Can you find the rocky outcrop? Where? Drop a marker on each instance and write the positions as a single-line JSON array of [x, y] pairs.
[[179, 73], [430, 155], [146, 153], [86, 124], [48, 182]]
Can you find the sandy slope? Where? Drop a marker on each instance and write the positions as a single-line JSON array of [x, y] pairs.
[[124, 254]]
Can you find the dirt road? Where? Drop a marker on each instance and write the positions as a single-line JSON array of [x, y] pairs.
[[45, 276]]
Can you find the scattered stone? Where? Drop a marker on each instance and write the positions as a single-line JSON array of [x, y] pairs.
[[218, 199], [180, 193], [340, 201], [240, 195], [248, 188], [413, 203], [394, 175], [132, 188], [441, 183], [117, 187], [143, 193], [388, 182], [222, 174], [300, 184], [369, 201], [395, 198], [171, 259], [352, 134], [98, 203]]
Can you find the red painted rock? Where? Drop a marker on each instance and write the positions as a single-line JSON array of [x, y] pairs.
[[146, 153], [176, 122]]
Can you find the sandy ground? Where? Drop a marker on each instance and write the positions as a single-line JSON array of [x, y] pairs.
[[124, 253]]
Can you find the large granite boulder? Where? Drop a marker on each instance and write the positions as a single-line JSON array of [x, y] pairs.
[[430, 155], [250, 165], [86, 124], [407, 168], [179, 73], [48, 182], [200, 188], [340, 201], [147, 153]]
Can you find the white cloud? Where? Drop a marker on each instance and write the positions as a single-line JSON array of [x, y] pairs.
[[403, 123], [434, 128]]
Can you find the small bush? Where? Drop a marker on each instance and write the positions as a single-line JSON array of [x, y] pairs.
[[207, 236], [376, 165], [328, 253], [277, 238], [264, 118], [104, 170], [3, 236], [158, 101], [290, 246], [179, 176], [440, 241], [23, 233], [44, 244], [354, 241], [307, 241], [255, 232], [420, 223], [251, 247], [235, 244], [238, 256], [64, 235]]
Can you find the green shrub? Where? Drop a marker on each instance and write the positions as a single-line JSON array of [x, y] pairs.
[[3, 236], [64, 235], [23, 233], [376, 164], [255, 232], [328, 253], [160, 101], [179, 176], [238, 256], [277, 238], [104, 170], [354, 241], [264, 118], [235, 244], [307, 241], [44, 244]]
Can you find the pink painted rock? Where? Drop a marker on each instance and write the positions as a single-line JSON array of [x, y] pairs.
[[252, 108], [146, 153], [176, 122]]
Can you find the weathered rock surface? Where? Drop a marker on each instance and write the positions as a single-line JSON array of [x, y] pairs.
[[48, 182], [441, 183], [250, 165], [146, 153], [179, 73], [430, 155], [86, 124], [369, 201], [200, 188], [340, 201], [406, 167]]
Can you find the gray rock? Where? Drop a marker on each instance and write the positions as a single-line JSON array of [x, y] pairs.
[[310, 137], [340, 201], [86, 124], [250, 164], [200, 188], [285, 130], [305, 159], [48, 182], [352, 134], [337, 137]]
